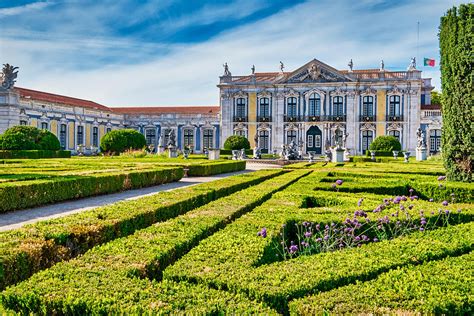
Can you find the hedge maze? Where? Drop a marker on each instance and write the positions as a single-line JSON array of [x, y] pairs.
[[214, 248]]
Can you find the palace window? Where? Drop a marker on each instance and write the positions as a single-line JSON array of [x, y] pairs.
[[150, 136], [22, 122], [367, 138], [368, 106], [291, 136], [394, 105], [208, 138], [44, 125], [62, 135], [80, 135], [240, 132], [435, 140], [240, 107], [395, 134], [264, 107], [188, 138], [263, 140], [317, 140], [95, 136], [314, 106], [108, 130], [291, 107], [338, 106]]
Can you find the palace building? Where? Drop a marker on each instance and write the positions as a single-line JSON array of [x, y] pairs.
[[315, 105]]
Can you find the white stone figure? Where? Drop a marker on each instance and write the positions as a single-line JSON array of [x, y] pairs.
[[253, 69], [226, 70], [412, 65], [382, 65], [351, 65], [9, 74], [420, 135], [282, 66]]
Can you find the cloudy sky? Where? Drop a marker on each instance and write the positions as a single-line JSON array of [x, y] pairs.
[[170, 52]]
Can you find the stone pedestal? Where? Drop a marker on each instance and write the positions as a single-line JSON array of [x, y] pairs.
[[406, 155], [214, 154], [161, 149], [338, 155], [421, 154], [172, 153], [346, 154]]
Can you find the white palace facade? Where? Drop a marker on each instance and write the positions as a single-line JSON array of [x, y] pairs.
[[314, 105], [317, 105]]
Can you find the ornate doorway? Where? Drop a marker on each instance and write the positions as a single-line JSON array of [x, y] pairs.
[[313, 140]]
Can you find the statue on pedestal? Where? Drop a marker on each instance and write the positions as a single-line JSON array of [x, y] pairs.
[[172, 139], [9, 74], [420, 135]]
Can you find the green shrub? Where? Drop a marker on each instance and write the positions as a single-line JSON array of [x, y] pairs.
[[386, 144], [236, 142], [456, 51], [34, 154], [28, 138], [117, 141], [204, 170]]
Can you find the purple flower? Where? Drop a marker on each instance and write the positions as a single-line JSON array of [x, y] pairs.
[[293, 249], [445, 203], [446, 212], [441, 178], [326, 237], [376, 239], [410, 206], [421, 229], [357, 238], [339, 182], [359, 203], [402, 208], [319, 239], [262, 232], [318, 227], [452, 194], [333, 185], [365, 238], [397, 199], [411, 190], [431, 200], [308, 234], [404, 198]]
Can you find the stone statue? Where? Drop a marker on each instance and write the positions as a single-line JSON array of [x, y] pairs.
[[291, 151], [351, 65], [344, 139], [9, 74], [226, 70], [172, 139], [412, 65], [253, 69], [282, 66], [255, 139], [382, 65], [162, 139], [420, 135], [314, 72]]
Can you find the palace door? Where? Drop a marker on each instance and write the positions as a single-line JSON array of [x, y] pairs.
[[313, 140]]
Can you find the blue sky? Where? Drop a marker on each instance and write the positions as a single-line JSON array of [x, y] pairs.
[[170, 52]]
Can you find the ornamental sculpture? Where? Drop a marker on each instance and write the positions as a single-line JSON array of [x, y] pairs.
[[226, 70], [9, 74]]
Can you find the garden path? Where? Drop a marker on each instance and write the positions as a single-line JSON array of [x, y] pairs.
[[17, 219]]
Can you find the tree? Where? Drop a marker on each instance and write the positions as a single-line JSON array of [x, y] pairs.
[[436, 97], [236, 142], [118, 141], [456, 50], [386, 143], [28, 138]]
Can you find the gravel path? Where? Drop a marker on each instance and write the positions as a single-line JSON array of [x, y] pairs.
[[16, 219]]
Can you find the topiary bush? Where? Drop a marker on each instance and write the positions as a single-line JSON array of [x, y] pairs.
[[118, 141], [236, 142], [456, 50], [386, 143], [28, 138]]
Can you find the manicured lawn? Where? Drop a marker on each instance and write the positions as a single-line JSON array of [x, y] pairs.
[[357, 237]]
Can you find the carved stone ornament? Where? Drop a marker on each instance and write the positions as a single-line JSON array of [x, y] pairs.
[[337, 126], [9, 74], [338, 91], [264, 94], [368, 90], [239, 94], [263, 126], [226, 95], [368, 126], [394, 126], [291, 126], [240, 125], [395, 90], [291, 93]]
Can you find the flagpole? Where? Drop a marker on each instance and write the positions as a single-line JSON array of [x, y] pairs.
[[418, 41]]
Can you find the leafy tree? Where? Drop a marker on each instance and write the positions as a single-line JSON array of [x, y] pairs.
[[28, 138], [236, 142], [118, 141], [456, 49], [436, 97], [386, 143]]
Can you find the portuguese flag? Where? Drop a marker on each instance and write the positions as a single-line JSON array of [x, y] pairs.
[[429, 62]]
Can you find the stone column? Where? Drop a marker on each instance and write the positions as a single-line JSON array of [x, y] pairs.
[[413, 119], [225, 118], [351, 120], [9, 109], [278, 125]]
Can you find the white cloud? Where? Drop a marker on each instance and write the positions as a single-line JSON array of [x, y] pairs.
[[24, 8], [330, 31]]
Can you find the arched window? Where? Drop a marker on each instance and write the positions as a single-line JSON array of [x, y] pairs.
[[338, 106], [150, 136], [367, 138], [395, 134], [368, 106], [44, 125], [95, 136], [207, 138], [435, 140], [263, 140], [264, 107], [188, 137], [290, 136], [291, 106], [394, 105], [240, 107], [314, 106]]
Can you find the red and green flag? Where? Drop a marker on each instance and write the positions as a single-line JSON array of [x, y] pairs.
[[429, 62]]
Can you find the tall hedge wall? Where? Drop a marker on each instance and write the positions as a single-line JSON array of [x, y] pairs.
[[456, 49]]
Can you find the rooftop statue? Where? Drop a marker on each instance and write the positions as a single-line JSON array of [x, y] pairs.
[[412, 65], [351, 65], [9, 74], [226, 70], [282, 66]]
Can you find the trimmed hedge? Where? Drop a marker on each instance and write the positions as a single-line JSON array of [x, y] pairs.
[[144, 254], [28, 138], [37, 246], [34, 154], [203, 170], [434, 288], [118, 141], [24, 194], [236, 142]]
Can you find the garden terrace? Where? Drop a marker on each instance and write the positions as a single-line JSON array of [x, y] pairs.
[[26, 183], [37, 246], [226, 250]]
